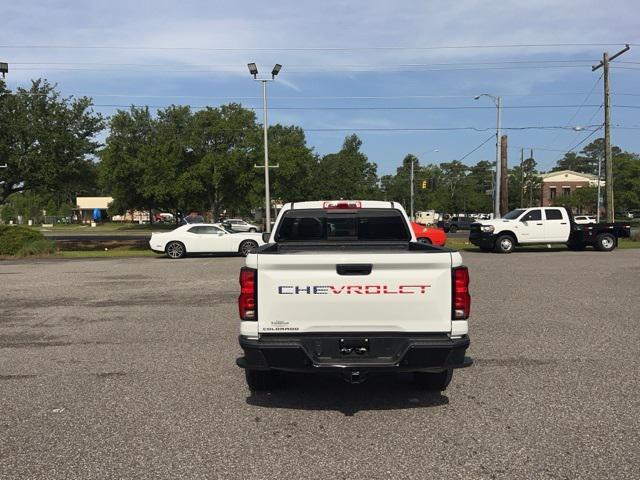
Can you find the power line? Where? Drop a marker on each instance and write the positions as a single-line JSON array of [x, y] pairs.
[[305, 49], [390, 69], [421, 129], [575, 114], [343, 97], [477, 148], [585, 138], [385, 108], [289, 65]]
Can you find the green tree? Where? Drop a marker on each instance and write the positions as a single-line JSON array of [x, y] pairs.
[[123, 163], [293, 180], [47, 141], [347, 174], [626, 181]]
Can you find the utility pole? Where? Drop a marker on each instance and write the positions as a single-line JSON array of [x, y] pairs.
[[503, 183], [497, 100], [4, 69], [599, 201], [521, 177], [608, 160], [412, 182], [531, 186]]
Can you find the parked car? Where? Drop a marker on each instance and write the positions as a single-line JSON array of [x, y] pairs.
[[240, 225], [192, 218], [429, 235], [584, 219], [203, 238], [545, 225], [343, 287], [454, 224]]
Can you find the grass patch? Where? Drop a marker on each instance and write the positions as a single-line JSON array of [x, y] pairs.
[[112, 253], [109, 227]]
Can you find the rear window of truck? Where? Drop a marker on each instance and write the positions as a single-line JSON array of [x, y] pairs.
[[366, 224]]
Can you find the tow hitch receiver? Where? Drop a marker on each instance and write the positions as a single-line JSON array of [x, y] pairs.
[[354, 376], [357, 346]]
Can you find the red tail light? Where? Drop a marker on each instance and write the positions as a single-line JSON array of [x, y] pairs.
[[461, 297], [248, 292]]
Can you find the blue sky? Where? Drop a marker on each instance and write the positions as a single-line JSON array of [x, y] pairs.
[[173, 54]]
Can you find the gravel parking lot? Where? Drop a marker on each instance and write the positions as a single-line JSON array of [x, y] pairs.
[[125, 368]]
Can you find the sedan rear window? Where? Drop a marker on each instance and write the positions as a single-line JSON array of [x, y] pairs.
[[365, 224]]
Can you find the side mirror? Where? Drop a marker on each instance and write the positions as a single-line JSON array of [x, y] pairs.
[[265, 237]]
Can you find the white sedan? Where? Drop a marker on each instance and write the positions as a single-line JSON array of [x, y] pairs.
[[203, 238], [584, 219]]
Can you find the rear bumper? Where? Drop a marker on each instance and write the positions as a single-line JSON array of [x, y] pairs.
[[387, 352]]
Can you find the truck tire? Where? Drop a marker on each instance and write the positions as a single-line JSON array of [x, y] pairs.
[[261, 379], [605, 242], [434, 381], [504, 244]]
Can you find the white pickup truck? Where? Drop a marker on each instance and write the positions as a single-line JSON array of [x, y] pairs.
[[343, 287], [524, 226]]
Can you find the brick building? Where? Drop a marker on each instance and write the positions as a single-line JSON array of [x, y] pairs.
[[555, 185]]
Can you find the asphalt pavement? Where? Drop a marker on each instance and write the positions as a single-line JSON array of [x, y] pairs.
[[125, 368]]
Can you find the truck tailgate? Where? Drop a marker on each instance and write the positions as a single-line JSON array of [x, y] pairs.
[[352, 292]]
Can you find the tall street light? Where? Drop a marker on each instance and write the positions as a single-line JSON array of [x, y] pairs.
[[253, 70], [497, 100]]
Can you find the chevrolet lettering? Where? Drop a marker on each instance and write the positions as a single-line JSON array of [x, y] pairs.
[[352, 289]]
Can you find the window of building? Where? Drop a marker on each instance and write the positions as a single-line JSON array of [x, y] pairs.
[[566, 191], [552, 192]]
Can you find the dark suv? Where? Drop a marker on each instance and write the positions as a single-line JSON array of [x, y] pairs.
[[453, 224]]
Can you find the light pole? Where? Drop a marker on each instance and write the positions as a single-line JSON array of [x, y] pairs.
[[497, 100], [4, 69], [253, 70]]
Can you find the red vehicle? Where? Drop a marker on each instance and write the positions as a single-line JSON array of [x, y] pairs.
[[430, 235]]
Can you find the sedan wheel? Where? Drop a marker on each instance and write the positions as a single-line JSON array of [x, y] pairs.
[[247, 247], [175, 250], [424, 240], [252, 230]]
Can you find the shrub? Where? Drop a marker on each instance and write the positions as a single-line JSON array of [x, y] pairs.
[[636, 236], [14, 239], [36, 247]]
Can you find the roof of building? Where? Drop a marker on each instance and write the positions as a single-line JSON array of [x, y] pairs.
[[567, 173], [86, 203]]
